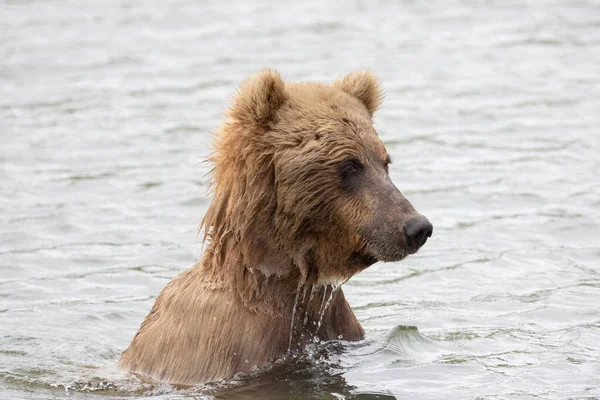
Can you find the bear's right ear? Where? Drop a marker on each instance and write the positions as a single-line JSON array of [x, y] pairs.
[[259, 98]]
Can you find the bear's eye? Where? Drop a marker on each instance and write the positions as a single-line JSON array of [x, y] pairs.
[[350, 167]]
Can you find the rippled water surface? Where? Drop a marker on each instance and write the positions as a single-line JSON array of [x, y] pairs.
[[492, 117]]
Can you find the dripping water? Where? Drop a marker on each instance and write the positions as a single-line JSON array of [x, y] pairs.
[[321, 308], [324, 308], [293, 317], [310, 299]]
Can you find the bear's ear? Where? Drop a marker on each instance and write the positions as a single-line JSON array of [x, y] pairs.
[[259, 98], [364, 86]]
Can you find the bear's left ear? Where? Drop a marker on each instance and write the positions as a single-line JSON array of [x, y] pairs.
[[364, 86], [259, 98]]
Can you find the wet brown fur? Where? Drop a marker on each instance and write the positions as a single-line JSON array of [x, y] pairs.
[[279, 233]]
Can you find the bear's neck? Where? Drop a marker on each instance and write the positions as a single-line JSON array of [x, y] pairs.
[[279, 290]]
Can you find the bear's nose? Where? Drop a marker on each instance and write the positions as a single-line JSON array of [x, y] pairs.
[[417, 230]]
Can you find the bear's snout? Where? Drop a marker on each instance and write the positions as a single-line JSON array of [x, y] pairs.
[[417, 230]]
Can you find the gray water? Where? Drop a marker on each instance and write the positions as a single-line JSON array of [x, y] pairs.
[[492, 118]]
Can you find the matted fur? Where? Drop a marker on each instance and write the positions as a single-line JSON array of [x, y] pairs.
[[279, 233]]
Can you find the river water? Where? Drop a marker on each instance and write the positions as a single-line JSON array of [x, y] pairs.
[[492, 118]]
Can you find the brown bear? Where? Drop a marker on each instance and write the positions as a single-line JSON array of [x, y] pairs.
[[302, 201]]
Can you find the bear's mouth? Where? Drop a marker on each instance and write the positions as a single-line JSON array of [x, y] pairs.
[[362, 259]]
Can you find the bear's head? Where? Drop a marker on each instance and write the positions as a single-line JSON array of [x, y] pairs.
[[301, 182]]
